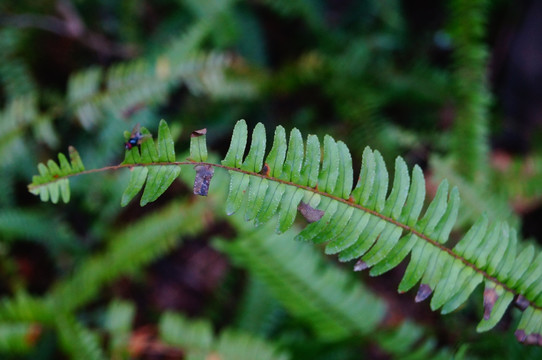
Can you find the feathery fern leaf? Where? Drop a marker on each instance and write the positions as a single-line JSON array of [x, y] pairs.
[[18, 337], [156, 178], [52, 182], [381, 229], [197, 340], [78, 341], [128, 250], [120, 315], [129, 86], [478, 200], [326, 298], [14, 225], [25, 308], [470, 145]]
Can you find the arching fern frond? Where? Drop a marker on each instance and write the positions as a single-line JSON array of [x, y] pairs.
[[129, 86], [52, 183], [119, 319], [18, 338], [78, 341], [196, 339], [377, 227], [380, 229], [325, 297]]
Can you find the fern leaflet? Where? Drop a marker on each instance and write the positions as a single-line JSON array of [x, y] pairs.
[[156, 178], [52, 182]]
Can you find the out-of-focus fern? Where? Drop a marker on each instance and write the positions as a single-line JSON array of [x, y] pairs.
[[476, 199], [325, 298], [128, 251], [25, 308], [119, 318], [329, 300], [261, 312], [470, 145], [129, 86], [16, 338], [519, 180], [14, 225], [15, 75], [196, 339], [18, 116], [76, 340]]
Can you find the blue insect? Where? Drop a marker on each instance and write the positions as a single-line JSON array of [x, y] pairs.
[[136, 138]]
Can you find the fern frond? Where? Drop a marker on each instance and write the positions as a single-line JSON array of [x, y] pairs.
[[261, 313], [25, 308], [145, 82], [156, 178], [477, 199], [381, 229], [17, 115], [119, 318], [18, 338], [366, 223], [14, 225], [52, 182], [197, 341], [128, 251], [328, 299], [470, 146], [322, 296], [78, 341]]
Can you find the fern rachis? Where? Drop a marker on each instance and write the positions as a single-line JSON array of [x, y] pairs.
[[367, 222]]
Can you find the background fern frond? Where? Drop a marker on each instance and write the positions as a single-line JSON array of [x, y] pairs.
[[13, 225], [18, 338], [119, 318], [197, 340], [128, 251], [323, 296], [131, 86], [78, 341], [470, 145]]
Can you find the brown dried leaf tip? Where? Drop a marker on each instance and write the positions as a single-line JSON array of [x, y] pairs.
[[423, 293], [360, 265], [198, 133], [309, 213], [204, 174], [490, 298], [265, 169], [531, 339], [522, 303], [33, 334]]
